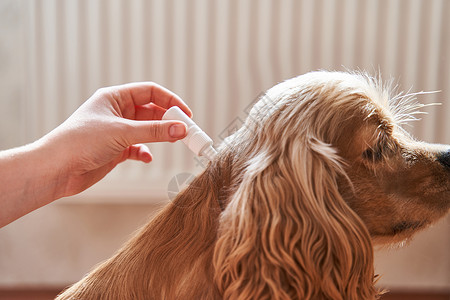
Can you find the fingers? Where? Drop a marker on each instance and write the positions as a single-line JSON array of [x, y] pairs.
[[138, 152], [146, 92], [155, 131], [149, 111]]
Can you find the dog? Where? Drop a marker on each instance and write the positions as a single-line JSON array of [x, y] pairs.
[[292, 204]]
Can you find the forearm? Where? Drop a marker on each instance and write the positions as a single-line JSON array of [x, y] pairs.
[[29, 179], [103, 132]]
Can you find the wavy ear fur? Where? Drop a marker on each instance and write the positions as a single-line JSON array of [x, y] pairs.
[[288, 234]]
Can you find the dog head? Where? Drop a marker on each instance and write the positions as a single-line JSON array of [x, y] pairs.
[[322, 169]]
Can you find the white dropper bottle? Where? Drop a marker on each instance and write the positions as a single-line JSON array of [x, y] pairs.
[[196, 139]]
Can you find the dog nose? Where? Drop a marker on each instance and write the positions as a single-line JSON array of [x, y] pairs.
[[444, 159]]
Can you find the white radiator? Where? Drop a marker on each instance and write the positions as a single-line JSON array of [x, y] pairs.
[[219, 55]]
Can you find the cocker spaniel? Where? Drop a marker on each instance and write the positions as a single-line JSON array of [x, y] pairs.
[[292, 204]]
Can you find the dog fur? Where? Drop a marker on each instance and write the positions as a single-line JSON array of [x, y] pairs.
[[291, 206]]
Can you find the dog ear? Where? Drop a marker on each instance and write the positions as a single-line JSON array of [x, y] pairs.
[[287, 233]]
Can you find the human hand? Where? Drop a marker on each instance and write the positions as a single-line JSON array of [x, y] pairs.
[[107, 130]]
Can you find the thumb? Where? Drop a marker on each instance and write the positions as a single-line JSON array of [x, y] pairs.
[[156, 131]]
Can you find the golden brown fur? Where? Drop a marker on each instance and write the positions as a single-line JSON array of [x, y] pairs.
[[291, 205]]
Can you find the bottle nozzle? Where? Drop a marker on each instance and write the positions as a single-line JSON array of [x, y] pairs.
[[209, 152]]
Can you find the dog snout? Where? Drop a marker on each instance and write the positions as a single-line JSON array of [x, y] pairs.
[[444, 159]]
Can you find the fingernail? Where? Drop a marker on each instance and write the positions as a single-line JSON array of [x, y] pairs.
[[177, 130]]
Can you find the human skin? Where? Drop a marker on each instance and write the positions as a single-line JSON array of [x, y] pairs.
[[103, 132]]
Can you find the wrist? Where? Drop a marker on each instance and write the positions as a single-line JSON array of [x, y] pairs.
[[30, 180], [49, 169]]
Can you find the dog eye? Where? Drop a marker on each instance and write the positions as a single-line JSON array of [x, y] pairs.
[[373, 154]]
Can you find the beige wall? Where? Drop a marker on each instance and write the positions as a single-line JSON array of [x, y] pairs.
[[218, 55]]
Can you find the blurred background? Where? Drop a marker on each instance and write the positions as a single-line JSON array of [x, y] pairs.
[[218, 56]]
